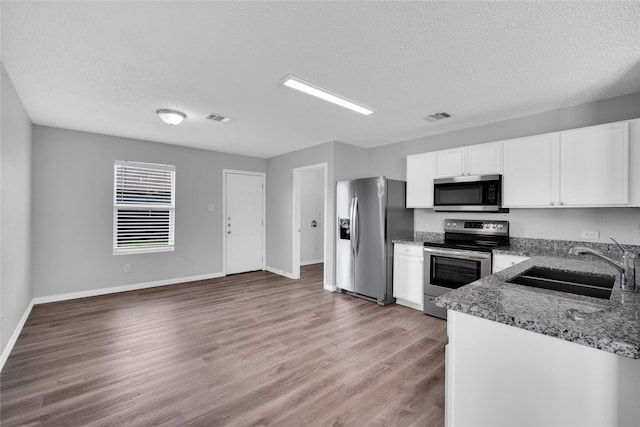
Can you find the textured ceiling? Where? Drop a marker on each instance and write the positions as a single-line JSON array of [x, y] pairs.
[[106, 67]]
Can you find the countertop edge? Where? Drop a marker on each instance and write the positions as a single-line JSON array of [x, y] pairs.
[[609, 345], [469, 300]]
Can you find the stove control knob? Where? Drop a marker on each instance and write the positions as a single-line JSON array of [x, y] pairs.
[[500, 226], [455, 224], [486, 226], [493, 226], [448, 224]]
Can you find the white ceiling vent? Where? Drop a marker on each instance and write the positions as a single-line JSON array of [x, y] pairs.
[[437, 116], [217, 118]]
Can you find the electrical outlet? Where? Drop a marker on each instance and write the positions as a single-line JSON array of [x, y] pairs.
[[127, 268], [590, 234]]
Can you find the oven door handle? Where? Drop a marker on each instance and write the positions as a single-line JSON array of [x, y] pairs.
[[460, 254]]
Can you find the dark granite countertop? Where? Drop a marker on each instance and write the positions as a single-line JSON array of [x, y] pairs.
[[421, 238], [529, 247], [611, 325]]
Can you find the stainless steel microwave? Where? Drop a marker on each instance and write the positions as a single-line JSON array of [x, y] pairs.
[[478, 193]]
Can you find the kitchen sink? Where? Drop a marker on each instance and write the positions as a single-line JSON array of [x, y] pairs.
[[573, 282]]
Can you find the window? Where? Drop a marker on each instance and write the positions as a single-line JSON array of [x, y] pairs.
[[143, 207]]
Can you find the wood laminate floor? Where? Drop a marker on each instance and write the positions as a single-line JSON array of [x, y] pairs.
[[252, 349]]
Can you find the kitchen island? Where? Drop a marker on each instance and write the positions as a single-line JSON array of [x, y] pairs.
[[526, 356]]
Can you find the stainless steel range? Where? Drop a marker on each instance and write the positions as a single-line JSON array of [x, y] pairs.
[[463, 257]]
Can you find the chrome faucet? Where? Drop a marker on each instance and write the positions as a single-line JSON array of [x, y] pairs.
[[626, 267]]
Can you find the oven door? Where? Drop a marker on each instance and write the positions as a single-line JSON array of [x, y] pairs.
[[447, 269]]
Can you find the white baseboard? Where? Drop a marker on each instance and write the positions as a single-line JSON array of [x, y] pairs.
[[409, 304], [330, 287], [14, 337], [279, 272], [315, 261], [125, 288]]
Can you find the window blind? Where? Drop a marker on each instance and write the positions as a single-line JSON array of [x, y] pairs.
[[144, 207]]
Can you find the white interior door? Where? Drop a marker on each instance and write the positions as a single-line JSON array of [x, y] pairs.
[[244, 222]]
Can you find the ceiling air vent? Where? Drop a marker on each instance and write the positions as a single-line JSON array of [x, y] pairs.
[[217, 118], [437, 116]]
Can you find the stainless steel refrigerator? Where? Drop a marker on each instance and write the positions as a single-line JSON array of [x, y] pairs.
[[371, 213]]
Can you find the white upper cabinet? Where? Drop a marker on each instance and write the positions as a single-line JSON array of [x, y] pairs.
[[481, 159], [484, 159], [529, 177], [587, 167], [420, 173], [594, 165], [634, 162], [580, 167], [451, 162]]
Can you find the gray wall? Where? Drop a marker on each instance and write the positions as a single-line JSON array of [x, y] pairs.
[[390, 159], [561, 224], [344, 162], [73, 211], [15, 198], [280, 204]]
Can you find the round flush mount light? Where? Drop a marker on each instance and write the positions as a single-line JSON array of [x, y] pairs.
[[171, 117]]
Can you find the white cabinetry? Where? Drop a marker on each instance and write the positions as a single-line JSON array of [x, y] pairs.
[[594, 165], [502, 261], [407, 275], [499, 375], [586, 167], [481, 159], [420, 173], [529, 175], [576, 168]]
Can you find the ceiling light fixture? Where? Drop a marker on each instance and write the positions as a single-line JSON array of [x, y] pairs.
[[310, 89], [171, 117]]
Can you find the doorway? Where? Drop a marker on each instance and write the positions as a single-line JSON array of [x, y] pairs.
[[243, 227], [309, 217]]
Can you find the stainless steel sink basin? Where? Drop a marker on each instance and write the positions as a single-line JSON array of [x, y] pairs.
[[592, 285]]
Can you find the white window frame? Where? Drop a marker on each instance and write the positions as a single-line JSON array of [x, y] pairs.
[[160, 207]]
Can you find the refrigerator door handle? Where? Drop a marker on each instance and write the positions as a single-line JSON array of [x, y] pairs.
[[352, 226], [356, 226]]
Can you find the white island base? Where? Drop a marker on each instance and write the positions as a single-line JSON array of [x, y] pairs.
[[499, 375]]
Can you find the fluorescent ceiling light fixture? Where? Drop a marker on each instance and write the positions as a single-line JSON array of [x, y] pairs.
[[314, 90], [171, 117]]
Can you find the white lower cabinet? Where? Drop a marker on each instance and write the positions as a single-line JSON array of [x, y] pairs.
[[499, 375], [502, 261], [407, 275]]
